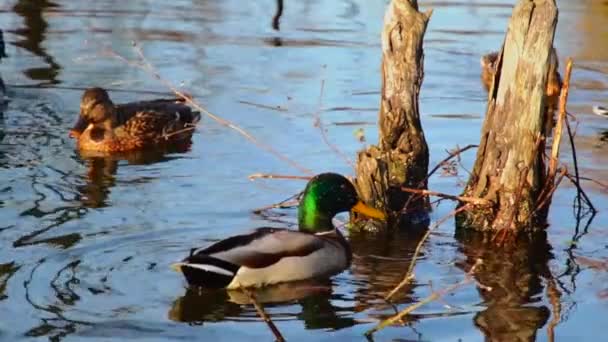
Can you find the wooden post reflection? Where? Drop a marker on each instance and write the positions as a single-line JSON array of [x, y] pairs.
[[515, 275]]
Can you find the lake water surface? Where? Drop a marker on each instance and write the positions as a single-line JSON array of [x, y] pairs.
[[85, 243]]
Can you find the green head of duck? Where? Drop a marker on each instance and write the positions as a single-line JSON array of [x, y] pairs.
[[326, 195]]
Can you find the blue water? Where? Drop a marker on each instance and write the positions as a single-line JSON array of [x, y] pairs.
[[85, 243]]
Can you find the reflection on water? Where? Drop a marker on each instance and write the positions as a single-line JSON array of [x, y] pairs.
[[86, 239], [314, 297], [33, 35], [513, 309], [102, 167]]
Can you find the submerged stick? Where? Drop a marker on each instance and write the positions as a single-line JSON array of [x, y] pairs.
[[263, 315], [409, 276], [432, 297]]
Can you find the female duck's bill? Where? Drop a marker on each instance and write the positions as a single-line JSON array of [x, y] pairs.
[[277, 255], [79, 127]]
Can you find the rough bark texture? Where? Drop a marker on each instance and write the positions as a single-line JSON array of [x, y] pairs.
[[509, 169], [401, 159]]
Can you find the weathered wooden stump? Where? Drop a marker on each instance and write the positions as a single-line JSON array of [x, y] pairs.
[[401, 159], [509, 170]]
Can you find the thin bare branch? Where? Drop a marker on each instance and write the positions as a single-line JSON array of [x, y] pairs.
[[409, 275], [263, 315], [319, 124], [472, 200], [557, 135], [432, 297], [451, 155], [142, 63]]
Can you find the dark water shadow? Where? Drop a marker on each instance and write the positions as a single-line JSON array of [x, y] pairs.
[[276, 19], [513, 309], [6, 272], [34, 34]]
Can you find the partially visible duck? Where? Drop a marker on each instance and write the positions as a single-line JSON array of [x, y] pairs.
[[554, 82], [106, 127], [277, 255], [601, 111]]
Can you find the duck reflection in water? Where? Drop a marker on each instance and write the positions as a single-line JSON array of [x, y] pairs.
[[378, 265], [102, 168], [314, 296]]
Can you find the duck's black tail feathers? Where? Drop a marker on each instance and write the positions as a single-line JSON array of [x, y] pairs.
[[207, 271]]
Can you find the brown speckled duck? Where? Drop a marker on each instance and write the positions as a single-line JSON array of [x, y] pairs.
[[554, 83], [105, 127]]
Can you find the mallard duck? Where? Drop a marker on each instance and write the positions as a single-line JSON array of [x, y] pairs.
[[554, 83], [103, 126], [277, 255]]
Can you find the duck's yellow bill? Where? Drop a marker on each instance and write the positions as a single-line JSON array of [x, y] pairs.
[[368, 211], [177, 267]]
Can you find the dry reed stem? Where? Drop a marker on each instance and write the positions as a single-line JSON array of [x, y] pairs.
[[263, 106], [557, 136], [143, 64], [263, 315], [432, 297], [281, 205], [319, 124], [409, 275], [472, 200]]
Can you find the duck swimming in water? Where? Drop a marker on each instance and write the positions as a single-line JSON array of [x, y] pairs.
[[276, 255], [106, 127]]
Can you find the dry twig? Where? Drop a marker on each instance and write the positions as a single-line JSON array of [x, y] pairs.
[[451, 155], [432, 297], [263, 315], [557, 136], [319, 124], [409, 275], [472, 200], [143, 64]]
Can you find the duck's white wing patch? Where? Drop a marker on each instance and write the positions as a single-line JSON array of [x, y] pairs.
[[209, 268]]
